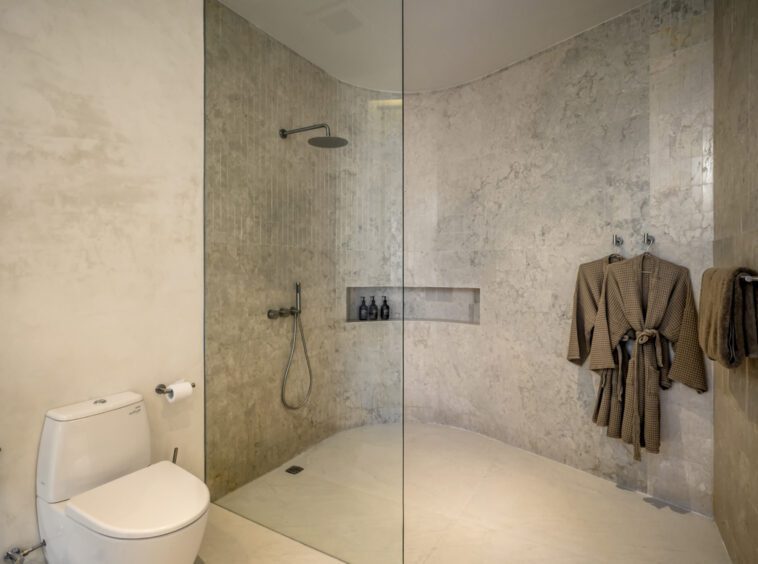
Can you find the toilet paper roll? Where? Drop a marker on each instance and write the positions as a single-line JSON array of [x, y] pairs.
[[178, 391]]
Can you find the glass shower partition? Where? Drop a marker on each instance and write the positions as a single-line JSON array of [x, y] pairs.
[[315, 454]]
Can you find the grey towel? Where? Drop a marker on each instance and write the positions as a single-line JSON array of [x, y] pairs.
[[727, 330], [750, 298]]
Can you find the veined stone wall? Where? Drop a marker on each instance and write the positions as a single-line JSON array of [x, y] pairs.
[[514, 180]]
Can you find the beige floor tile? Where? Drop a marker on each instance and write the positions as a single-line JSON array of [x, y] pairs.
[[468, 499], [231, 539]]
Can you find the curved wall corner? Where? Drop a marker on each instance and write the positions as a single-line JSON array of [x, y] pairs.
[[514, 180]]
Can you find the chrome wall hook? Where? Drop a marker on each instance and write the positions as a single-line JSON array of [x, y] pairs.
[[647, 241], [617, 240]]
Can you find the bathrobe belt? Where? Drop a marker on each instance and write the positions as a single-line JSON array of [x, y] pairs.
[[642, 338]]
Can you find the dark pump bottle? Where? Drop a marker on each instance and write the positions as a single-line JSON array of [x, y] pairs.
[[373, 311], [384, 312], [363, 310]]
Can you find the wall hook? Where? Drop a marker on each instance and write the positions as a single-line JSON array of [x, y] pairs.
[[617, 240], [648, 240]]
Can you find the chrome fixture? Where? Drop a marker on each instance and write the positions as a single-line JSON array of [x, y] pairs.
[[325, 142], [648, 240], [282, 312], [297, 325], [18, 555], [162, 389]]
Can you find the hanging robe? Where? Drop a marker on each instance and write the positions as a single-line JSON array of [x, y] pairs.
[[650, 301], [609, 401]]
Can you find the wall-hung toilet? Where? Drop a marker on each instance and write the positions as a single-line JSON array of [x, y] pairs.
[[99, 501]]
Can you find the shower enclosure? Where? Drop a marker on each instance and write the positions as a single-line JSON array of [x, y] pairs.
[[303, 401]]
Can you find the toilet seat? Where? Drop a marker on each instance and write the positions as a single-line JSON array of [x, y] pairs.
[[150, 502]]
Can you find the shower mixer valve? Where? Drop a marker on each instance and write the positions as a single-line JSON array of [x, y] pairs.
[[282, 312], [287, 311]]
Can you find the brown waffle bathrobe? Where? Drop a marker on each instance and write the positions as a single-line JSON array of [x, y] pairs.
[[589, 283], [651, 301]]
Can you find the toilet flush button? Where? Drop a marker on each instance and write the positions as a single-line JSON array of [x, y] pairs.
[[99, 401]]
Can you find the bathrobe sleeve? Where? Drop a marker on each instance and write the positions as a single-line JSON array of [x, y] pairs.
[[679, 325], [583, 312], [610, 324]]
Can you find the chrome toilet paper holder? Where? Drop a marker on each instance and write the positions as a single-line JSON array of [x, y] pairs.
[[162, 389]]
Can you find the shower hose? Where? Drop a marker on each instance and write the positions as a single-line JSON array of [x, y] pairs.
[[297, 327]]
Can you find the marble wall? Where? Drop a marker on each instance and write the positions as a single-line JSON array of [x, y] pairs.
[[514, 180], [736, 232], [101, 230], [278, 211]]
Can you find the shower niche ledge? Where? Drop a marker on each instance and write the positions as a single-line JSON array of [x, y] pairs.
[[422, 303]]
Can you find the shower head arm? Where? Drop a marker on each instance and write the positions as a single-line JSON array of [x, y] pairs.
[[283, 133]]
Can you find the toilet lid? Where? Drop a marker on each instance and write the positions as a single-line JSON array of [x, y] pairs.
[[150, 502]]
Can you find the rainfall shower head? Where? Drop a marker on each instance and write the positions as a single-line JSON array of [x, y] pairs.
[[325, 142]]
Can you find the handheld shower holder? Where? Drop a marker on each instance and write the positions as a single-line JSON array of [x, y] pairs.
[[275, 313], [297, 327]]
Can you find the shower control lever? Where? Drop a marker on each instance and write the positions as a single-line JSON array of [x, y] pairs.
[[282, 312]]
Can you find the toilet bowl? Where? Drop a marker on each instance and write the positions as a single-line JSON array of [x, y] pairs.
[[98, 502]]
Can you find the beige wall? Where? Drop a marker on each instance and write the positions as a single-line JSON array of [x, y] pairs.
[[101, 152], [514, 180], [736, 230]]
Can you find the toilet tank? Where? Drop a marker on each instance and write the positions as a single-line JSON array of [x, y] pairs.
[[87, 444]]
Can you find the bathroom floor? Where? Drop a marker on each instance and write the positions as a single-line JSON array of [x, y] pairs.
[[468, 498], [347, 501]]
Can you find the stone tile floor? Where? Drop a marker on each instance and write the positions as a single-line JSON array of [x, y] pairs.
[[468, 499]]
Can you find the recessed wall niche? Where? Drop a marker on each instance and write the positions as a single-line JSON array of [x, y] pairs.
[[423, 303]]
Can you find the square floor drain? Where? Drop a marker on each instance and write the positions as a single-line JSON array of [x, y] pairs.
[[294, 470]]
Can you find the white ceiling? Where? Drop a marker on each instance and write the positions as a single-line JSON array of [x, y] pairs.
[[356, 41], [447, 42]]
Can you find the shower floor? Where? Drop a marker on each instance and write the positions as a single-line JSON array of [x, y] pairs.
[[468, 499]]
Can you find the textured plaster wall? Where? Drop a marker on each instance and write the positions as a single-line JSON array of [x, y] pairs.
[[514, 180], [736, 230], [100, 223], [278, 211]]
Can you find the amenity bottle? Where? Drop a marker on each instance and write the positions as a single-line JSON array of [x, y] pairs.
[[373, 310], [363, 310], [384, 312]]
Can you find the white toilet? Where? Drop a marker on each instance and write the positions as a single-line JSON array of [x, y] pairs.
[[98, 499]]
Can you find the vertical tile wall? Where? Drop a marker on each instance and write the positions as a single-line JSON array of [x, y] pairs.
[[736, 231], [278, 211]]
